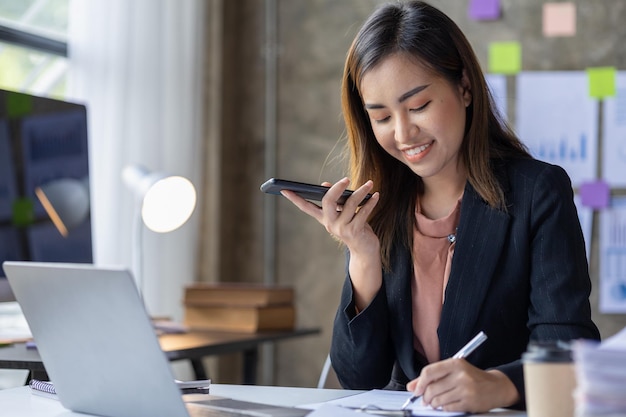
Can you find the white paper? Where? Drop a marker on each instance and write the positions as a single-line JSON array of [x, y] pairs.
[[389, 400], [613, 257], [614, 135], [615, 342], [497, 85], [558, 121], [601, 376]]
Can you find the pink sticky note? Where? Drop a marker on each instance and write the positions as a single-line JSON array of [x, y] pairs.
[[559, 19], [595, 194], [484, 9]]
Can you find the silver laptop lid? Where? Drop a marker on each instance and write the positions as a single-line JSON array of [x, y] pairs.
[[95, 339]]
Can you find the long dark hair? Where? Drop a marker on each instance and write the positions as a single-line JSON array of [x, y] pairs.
[[430, 37]]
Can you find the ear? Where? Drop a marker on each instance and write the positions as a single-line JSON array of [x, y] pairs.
[[465, 89]]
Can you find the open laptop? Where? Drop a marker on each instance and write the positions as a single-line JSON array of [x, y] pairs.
[[99, 347]]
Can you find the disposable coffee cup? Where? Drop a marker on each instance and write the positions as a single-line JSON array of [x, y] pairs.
[[549, 379]]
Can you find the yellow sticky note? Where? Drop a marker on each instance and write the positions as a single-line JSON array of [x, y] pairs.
[[602, 82], [505, 57], [559, 19]]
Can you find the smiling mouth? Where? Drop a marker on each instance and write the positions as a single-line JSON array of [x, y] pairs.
[[417, 150]]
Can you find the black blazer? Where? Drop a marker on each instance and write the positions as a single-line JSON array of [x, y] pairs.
[[518, 275]]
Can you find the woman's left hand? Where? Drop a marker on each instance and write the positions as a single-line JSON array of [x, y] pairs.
[[456, 385]]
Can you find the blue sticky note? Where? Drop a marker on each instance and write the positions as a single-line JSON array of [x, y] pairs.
[[484, 9]]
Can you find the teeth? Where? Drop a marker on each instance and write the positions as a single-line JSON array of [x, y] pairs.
[[419, 149]]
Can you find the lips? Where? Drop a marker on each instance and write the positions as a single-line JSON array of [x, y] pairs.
[[417, 150]]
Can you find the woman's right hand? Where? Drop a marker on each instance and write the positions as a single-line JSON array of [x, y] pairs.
[[348, 223]]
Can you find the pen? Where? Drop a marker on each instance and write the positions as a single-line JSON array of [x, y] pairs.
[[464, 352]]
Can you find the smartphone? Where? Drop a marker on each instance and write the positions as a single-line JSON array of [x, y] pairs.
[[308, 191]]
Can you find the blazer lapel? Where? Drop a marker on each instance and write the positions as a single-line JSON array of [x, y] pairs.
[[480, 239]]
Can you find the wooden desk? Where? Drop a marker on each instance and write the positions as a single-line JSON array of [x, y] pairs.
[[192, 346]]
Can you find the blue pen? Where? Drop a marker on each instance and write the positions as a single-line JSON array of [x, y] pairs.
[[464, 352]]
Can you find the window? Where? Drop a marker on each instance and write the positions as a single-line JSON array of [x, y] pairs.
[[33, 46]]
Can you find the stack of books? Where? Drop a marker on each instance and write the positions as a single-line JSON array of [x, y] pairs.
[[601, 376], [239, 307]]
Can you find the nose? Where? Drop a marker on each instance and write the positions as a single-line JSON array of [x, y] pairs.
[[405, 130]]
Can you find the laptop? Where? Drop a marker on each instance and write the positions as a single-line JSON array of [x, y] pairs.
[[100, 349]]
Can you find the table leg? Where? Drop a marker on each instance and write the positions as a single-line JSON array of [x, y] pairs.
[[41, 375], [250, 361], [198, 368]]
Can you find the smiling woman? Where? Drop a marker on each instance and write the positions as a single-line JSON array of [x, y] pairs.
[[452, 241]]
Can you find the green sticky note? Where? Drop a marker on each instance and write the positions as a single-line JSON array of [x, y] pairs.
[[19, 104], [602, 82], [505, 57], [23, 212]]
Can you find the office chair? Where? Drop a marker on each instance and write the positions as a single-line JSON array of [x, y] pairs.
[[328, 378]]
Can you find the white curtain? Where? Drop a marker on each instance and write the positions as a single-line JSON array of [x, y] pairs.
[[137, 65]]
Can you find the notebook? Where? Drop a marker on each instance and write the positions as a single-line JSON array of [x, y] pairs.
[[99, 347]]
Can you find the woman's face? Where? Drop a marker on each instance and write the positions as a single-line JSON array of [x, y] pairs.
[[417, 116]]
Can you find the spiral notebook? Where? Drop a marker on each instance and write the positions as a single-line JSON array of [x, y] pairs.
[[99, 347]]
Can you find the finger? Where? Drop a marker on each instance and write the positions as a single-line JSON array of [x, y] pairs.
[[431, 373], [411, 385], [329, 201], [304, 205], [437, 378], [366, 209], [453, 391], [441, 395], [358, 195]]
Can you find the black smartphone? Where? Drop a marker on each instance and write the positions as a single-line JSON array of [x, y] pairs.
[[308, 191]]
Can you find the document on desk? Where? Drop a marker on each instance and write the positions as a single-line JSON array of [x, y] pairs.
[[379, 401]]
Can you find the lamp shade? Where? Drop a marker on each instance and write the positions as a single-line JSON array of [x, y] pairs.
[[167, 201], [66, 200]]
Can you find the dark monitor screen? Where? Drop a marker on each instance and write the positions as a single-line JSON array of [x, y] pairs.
[[44, 182]]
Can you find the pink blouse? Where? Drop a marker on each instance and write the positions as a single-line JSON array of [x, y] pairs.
[[433, 247]]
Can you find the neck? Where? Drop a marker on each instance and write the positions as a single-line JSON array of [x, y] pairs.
[[441, 195]]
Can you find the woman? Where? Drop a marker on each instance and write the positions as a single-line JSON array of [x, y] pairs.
[[465, 231]]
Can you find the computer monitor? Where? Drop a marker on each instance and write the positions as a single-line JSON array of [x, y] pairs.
[[44, 182]]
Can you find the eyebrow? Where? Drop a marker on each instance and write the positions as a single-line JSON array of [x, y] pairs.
[[402, 98]]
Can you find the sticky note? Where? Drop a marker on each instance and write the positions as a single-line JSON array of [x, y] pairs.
[[484, 9], [595, 194], [559, 19], [19, 104], [23, 212], [602, 82], [505, 57]]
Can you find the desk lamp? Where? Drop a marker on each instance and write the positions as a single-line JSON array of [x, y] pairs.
[[163, 203], [66, 200]]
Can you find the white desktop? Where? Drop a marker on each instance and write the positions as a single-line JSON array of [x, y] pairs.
[[22, 402]]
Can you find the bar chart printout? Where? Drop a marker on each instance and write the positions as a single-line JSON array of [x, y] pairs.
[[614, 135], [557, 120], [613, 257], [497, 86]]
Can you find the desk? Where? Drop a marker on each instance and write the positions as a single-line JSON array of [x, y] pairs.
[[192, 346], [20, 402]]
